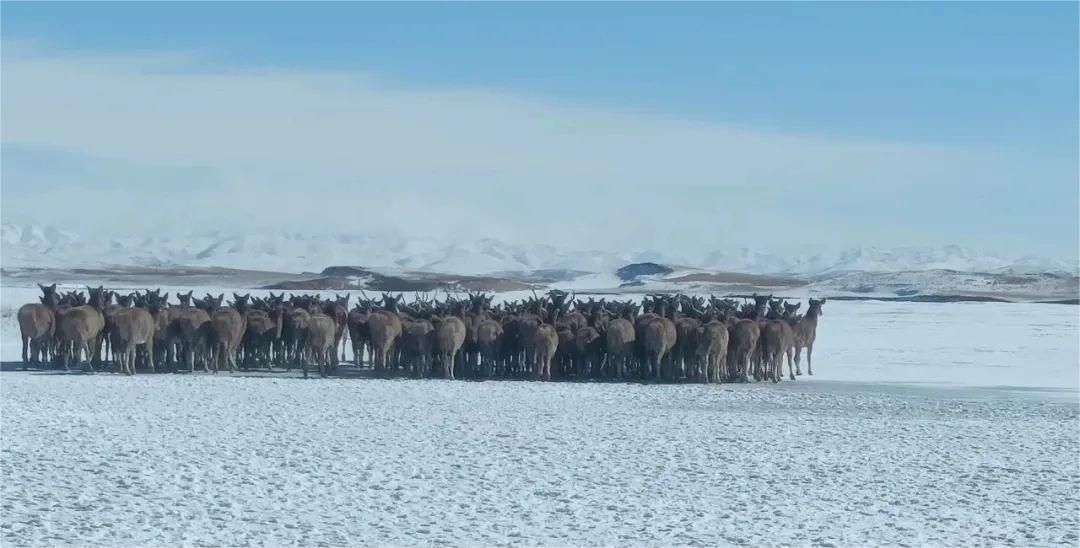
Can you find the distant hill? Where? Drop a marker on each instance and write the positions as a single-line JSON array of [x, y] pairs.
[[285, 251]]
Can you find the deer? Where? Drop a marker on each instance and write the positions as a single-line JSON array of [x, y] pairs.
[[488, 335], [322, 331], [712, 348], [37, 326], [805, 330], [80, 329], [417, 342], [660, 337], [190, 325], [228, 326], [449, 338], [619, 339], [131, 327], [384, 325]]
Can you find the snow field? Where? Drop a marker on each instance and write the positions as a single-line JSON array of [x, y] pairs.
[[202, 460]]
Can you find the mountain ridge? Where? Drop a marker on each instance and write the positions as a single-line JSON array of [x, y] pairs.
[[290, 251]]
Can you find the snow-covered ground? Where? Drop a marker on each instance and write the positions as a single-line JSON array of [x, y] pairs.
[[201, 460], [943, 424]]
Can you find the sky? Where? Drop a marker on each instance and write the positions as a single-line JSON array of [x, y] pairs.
[[683, 127]]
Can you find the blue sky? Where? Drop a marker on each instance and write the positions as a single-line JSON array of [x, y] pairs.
[[877, 124]]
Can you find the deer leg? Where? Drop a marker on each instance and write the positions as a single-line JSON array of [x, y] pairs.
[[92, 347], [344, 343], [150, 354], [222, 355], [746, 362], [809, 363]]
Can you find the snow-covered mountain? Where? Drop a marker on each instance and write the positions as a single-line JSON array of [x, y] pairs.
[[37, 246]]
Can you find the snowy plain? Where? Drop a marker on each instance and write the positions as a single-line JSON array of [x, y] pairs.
[[942, 424], [196, 460]]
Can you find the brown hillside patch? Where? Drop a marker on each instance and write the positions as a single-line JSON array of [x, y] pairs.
[[737, 278]]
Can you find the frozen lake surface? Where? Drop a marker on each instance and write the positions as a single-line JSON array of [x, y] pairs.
[[924, 424]]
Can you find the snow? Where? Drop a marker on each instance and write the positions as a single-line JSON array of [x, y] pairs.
[[941, 424], [1036, 287], [290, 251], [203, 460]]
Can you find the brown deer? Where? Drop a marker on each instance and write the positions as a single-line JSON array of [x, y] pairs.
[[712, 348], [294, 332], [588, 350], [417, 343], [191, 327], [619, 339], [806, 332], [339, 311], [263, 329], [228, 326], [774, 345], [449, 337], [322, 330], [544, 348], [384, 325], [132, 327], [358, 330], [80, 329], [743, 341], [488, 334], [37, 326], [660, 337], [684, 353]]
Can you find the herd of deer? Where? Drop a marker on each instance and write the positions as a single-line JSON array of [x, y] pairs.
[[664, 337]]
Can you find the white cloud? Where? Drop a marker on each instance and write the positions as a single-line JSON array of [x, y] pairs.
[[296, 148]]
